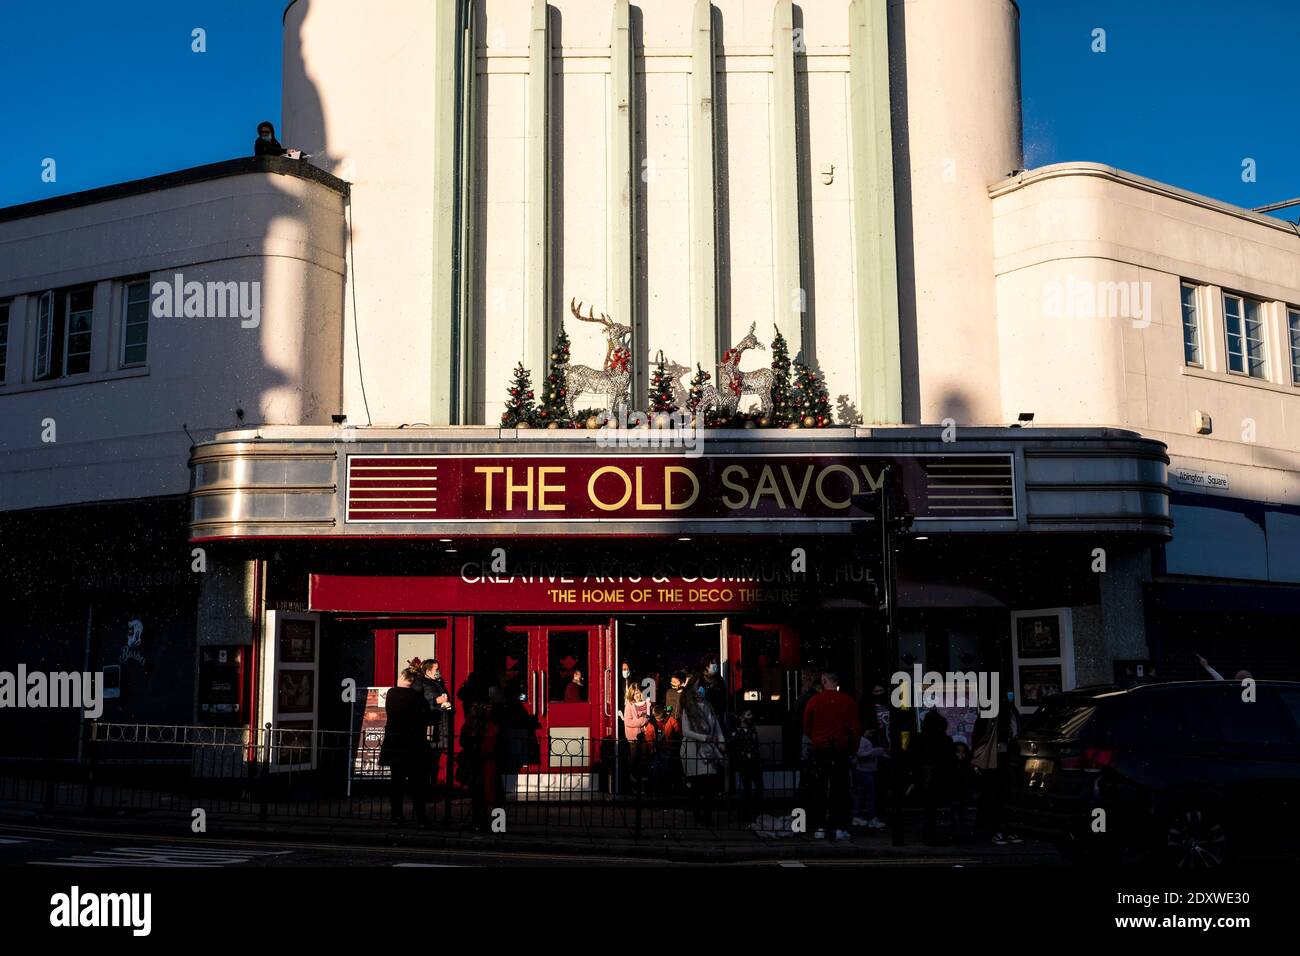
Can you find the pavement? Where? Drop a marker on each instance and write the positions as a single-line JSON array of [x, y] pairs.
[[32, 835]]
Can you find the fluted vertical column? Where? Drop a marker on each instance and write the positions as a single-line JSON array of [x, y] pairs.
[[703, 216], [537, 327], [789, 298], [621, 198]]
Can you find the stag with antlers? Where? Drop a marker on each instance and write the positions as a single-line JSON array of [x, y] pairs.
[[733, 383], [614, 379]]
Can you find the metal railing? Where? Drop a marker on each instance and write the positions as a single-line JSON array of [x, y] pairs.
[[514, 781]]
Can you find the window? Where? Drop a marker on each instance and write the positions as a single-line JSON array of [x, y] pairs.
[[76, 347], [135, 323], [1293, 329], [1245, 332], [44, 336], [64, 332], [4, 339], [1191, 327]]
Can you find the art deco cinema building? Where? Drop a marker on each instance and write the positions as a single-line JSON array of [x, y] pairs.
[[848, 171]]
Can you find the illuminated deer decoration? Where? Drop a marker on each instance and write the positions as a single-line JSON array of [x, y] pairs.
[[681, 395], [733, 383], [614, 379]]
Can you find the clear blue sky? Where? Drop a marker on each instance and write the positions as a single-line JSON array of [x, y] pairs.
[[1185, 91]]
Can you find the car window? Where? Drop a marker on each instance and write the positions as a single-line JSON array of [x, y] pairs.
[[1060, 719], [1291, 705], [1171, 720], [1254, 722]]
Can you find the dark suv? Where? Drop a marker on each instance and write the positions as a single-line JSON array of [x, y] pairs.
[[1192, 774]]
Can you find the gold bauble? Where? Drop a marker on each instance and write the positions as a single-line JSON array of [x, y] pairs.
[[809, 421], [593, 421], [553, 425], [523, 425]]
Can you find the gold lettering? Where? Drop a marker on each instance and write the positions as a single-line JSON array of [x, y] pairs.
[[526, 487], [543, 488], [744, 495], [872, 483], [837, 505], [488, 471], [627, 487], [767, 486], [640, 503], [802, 493], [668, 487]]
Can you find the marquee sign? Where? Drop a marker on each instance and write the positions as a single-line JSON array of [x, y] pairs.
[[447, 594], [444, 489]]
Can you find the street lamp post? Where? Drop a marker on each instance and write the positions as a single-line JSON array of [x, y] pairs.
[[890, 511]]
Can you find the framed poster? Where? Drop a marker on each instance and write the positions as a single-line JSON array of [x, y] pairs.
[[1039, 681], [1042, 655], [1038, 636], [289, 691], [298, 643], [295, 691], [293, 744]]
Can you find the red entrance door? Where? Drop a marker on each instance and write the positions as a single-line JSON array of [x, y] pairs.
[[763, 663], [552, 681]]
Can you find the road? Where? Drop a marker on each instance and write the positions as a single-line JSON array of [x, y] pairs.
[[22, 845]]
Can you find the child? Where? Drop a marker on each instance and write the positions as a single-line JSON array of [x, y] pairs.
[[962, 777], [747, 762], [865, 765]]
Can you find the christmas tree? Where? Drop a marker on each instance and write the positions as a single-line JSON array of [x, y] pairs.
[[521, 411], [555, 408], [698, 382], [661, 389], [811, 401], [782, 400]]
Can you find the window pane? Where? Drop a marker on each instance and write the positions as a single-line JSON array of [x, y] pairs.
[[1255, 339], [1191, 328], [82, 300], [4, 341], [78, 364], [1293, 324], [1232, 324], [136, 324]]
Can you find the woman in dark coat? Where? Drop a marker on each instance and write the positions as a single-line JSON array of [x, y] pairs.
[[405, 749]]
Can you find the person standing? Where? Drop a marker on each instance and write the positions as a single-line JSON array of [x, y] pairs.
[[992, 762], [935, 759], [438, 700], [673, 696], [405, 750], [715, 686], [636, 714], [747, 761], [830, 722], [865, 765], [703, 750]]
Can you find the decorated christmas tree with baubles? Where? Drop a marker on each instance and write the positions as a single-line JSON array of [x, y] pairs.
[[699, 381], [782, 398], [555, 409], [521, 410], [811, 403], [661, 389]]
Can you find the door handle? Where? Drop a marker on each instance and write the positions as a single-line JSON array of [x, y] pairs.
[[533, 690], [609, 691], [543, 697]]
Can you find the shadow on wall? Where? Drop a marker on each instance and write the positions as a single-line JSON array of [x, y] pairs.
[[305, 128], [907, 341]]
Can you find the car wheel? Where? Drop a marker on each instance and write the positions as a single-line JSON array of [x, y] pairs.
[[1193, 837]]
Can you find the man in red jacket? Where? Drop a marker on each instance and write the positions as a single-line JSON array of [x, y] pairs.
[[830, 722]]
